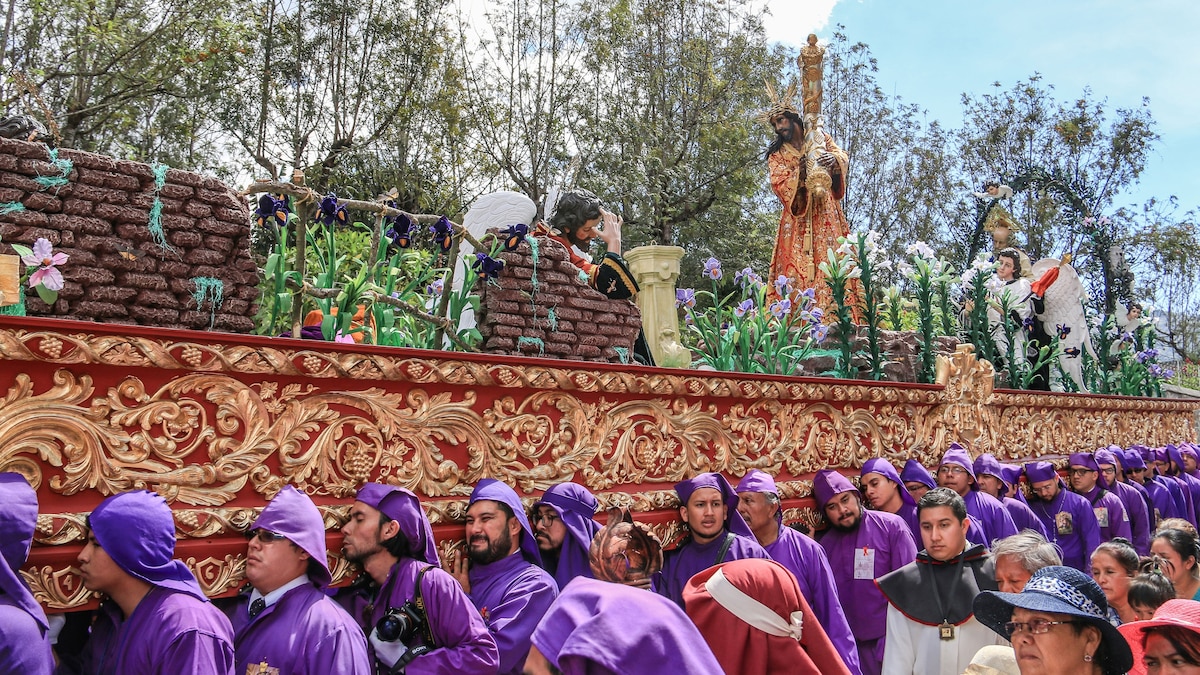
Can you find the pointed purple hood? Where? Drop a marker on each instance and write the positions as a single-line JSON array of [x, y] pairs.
[[493, 490], [915, 472], [18, 519], [602, 627], [827, 484], [1107, 456], [1037, 472], [987, 464], [760, 481], [733, 520], [1133, 460], [402, 506], [137, 530], [885, 468], [1011, 474], [577, 508], [959, 456], [1086, 460], [292, 514]]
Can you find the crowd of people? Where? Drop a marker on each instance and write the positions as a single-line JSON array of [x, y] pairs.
[[976, 567]]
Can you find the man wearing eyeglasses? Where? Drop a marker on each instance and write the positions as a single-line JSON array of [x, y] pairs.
[[1068, 517], [956, 471], [289, 624], [564, 529], [1087, 482]]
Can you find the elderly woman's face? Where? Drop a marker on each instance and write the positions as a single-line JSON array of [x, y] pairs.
[[1011, 576], [1058, 651]]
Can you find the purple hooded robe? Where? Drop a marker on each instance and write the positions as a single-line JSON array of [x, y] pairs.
[[513, 593], [601, 628], [685, 560], [880, 538], [174, 629], [1023, 518], [1109, 510], [1131, 499], [806, 560], [576, 507], [304, 631], [908, 507], [24, 645], [983, 508], [461, 640], [1132, 459], [1068, 518], [1189, 483]]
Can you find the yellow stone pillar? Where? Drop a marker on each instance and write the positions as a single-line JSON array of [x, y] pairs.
[[656, 269]]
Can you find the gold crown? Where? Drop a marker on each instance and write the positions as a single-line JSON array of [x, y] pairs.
[[779, 104]]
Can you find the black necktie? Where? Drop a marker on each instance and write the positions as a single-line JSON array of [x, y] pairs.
[[257, 607]]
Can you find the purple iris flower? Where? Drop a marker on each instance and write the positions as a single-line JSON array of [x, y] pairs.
[[330, 212], [271, 211], [400, 232], [513, 235], [486, 266], [783, 286], [819, 332], [443, 233], [744, 308], [685, 297], [712, 268]]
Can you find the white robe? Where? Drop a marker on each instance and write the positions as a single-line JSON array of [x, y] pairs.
[[917, 649]]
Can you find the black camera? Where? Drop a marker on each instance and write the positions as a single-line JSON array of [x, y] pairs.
[[401, 624]]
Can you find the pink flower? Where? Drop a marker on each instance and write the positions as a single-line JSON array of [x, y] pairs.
[[45, 260]]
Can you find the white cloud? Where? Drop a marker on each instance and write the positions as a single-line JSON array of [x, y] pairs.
[[792, 20]]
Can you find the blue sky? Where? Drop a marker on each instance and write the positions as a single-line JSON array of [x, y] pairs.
[[930, 52]]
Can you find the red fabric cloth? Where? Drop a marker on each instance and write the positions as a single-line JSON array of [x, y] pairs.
[[744, 650]]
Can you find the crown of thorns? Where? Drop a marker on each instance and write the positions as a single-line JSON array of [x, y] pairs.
[[779, 104]]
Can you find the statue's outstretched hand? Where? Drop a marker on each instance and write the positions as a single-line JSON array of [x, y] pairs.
[[610, 231]]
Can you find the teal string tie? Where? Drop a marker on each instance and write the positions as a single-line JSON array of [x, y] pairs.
[[11, 207], [64, 167], [154, 222], [541, 345], [552, 319], [622, 353], [210, 290]]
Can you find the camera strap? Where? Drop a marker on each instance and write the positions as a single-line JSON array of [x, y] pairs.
[[419, 601]]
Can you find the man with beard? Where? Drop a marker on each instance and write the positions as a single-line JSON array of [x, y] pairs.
[[1067, 517], [716, 534], [931, 626], [575, 220], [957, 472], [808, 173], [564, 529], [758, 504], [287, 624], [1087, 482], [505, 580], [390, 537], [862, 546], [989, 474], [156, 618]]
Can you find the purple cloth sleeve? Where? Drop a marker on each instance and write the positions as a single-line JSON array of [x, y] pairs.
[[1023, 517], [684, 561], [993, 518], [24, 647], [807, 561], [169, 632], [512, 595]]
